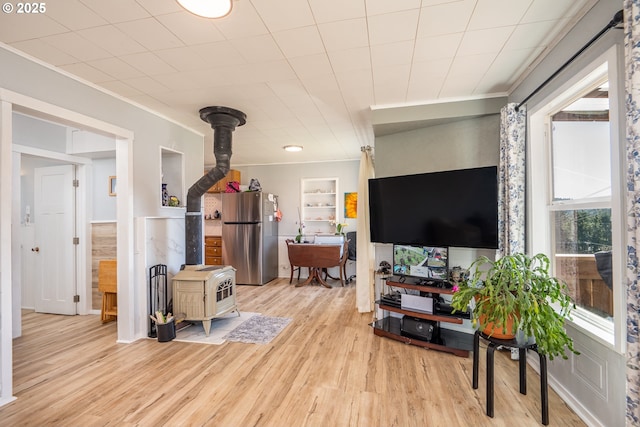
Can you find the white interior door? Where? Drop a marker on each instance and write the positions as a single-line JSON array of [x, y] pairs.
[[54, 204]]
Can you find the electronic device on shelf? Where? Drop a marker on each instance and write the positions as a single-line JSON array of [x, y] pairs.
[[421, 329], [415, 298], [423, 262], [454, 208], [393, 299], [445, 308], [433, 283], [417, 303]]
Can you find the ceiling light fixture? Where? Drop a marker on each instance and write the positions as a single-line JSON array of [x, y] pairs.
[[207, 8], [292, 147]]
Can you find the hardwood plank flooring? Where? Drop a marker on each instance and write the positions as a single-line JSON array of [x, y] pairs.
[[326, 368]]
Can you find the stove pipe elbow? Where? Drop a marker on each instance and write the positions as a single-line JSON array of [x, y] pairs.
[[223, 120]]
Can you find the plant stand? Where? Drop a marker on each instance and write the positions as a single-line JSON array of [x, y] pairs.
[[522, 363]]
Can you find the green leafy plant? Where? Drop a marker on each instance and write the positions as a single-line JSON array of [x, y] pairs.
[[340, 226], [301, 226], [521, 285]]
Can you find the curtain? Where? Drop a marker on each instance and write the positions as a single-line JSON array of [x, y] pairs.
[[511, 180], [632, 97], [365, 260]]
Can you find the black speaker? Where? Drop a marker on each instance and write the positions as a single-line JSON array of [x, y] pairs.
[[421, 329]]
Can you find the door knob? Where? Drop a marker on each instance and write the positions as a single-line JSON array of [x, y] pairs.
[[36, 249]]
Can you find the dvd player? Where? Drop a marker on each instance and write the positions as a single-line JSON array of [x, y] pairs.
[[392, 299]]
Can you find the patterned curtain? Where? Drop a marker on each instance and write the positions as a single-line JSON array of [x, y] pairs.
[[632, 88], [511, 180], [365, 260]]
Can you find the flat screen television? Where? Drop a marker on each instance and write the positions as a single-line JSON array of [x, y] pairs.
[[456, 208], [421, 261]]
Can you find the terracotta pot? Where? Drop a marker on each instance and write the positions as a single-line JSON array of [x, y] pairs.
[[496, 331]]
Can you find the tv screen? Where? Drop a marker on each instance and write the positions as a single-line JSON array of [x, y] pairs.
[[420, 261], [456, 208]]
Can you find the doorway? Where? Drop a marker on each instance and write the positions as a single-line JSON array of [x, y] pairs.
[[10, 213], [121, 154], [59, 203]]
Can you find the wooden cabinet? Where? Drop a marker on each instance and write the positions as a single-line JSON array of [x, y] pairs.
[[451, 341], [213, 250], [221, 185]]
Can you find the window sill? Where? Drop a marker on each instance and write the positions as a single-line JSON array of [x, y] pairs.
[[602, 332]]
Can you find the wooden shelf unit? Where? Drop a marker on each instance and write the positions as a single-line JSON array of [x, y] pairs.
[[455, 342]]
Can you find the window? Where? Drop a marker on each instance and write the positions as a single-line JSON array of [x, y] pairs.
[[580, 207], [575, 183]]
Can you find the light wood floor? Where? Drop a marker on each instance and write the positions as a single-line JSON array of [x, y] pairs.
[[325, 369]]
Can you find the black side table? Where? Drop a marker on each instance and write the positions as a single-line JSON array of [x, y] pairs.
[[522, 351]]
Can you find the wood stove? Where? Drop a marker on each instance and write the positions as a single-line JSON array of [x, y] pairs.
[[204, 292]]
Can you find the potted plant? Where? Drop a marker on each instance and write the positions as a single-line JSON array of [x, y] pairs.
[[519, 289]]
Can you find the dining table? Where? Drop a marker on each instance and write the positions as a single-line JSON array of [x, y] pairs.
[[316, 257]]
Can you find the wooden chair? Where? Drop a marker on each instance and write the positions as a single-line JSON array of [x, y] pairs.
[[293, 267], [108, 285], [343, 262], [342, 265]]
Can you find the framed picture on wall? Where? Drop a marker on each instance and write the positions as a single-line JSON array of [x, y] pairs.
[[350, 205], [112, 186]]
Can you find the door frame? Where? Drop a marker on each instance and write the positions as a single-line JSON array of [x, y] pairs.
[[9, 221], [82, 213]]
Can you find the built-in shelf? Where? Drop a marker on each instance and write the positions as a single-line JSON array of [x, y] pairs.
[[319, 205], [171, 175]]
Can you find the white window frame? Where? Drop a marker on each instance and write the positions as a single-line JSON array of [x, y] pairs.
[[539, 186]]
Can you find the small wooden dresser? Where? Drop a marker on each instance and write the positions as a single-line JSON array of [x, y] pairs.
[[213, 250]]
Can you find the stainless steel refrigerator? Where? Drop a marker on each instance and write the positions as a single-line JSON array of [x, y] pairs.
[[250, 236]]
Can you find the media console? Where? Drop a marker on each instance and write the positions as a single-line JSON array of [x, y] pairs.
[[436, 338]]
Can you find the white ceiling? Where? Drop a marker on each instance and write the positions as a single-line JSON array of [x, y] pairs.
[[305, 72]]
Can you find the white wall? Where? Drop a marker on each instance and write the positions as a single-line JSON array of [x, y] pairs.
[[39, 133], [104, 206]]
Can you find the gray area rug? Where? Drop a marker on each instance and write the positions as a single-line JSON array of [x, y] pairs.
[[220, 326], [258, 329]]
